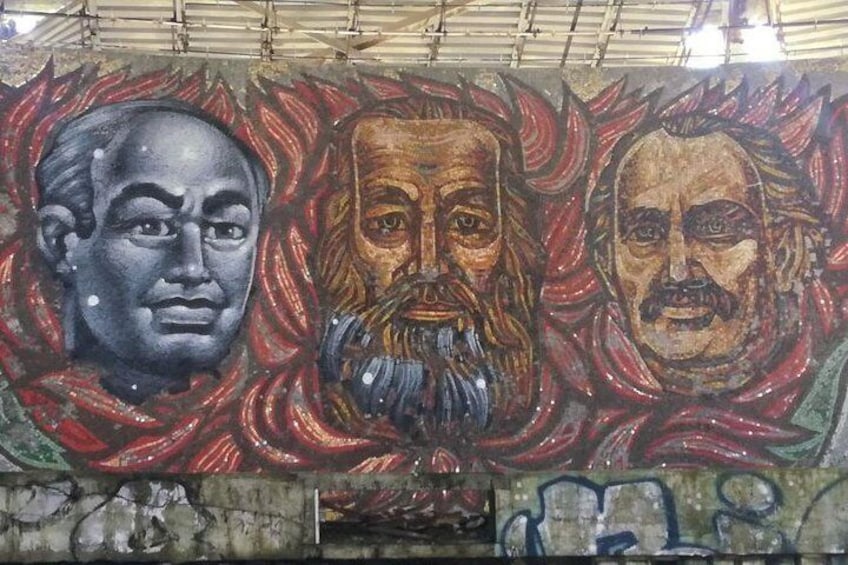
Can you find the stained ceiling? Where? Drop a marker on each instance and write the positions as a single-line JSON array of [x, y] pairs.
[[512, 33]]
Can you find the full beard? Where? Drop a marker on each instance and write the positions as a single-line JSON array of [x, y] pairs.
[[433, 378]]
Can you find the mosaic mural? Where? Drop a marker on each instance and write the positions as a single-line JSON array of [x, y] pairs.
[[362, 272]]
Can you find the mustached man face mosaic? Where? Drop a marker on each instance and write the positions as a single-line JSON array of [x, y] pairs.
[[688, 245]]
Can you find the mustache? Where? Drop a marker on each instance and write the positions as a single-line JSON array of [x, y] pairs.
[[445, 289], [690, 293]]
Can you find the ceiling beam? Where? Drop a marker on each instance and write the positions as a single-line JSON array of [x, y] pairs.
[[775, 20], [436, 40], [415, 22], [433, 22], [526, 17], [269, 25], [575, 17], [352, 24], [89, 25], [337, 45], [608, 25], [726, 30], [774, 12], [179, 32], [696, 19]]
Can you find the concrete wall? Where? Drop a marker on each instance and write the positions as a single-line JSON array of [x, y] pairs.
[[613, 301], [683, 514]]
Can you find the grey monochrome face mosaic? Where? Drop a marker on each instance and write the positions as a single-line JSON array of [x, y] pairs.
[[159, 287]]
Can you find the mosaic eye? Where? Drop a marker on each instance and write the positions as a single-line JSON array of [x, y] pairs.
[[151, 228], [647, 232], [224, 231], [467, 223], [389, 223], [720, 222], [716, 226]]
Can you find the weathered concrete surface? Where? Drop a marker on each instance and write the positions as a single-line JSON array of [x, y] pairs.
[[682, 513], [62, 517]]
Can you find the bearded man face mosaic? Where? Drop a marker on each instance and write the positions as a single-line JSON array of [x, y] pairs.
[[429, 273]]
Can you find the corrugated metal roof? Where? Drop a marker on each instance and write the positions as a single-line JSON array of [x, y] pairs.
[[516, 33]]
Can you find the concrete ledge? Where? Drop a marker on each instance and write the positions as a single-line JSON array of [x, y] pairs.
[[641, 515]]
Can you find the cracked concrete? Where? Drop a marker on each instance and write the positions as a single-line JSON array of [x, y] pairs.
[[172, 519]]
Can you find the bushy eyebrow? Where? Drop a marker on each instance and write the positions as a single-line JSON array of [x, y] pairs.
[[741, 219], [641, 214], [144, 190], [225, 199], [481, 196], [386, 194]]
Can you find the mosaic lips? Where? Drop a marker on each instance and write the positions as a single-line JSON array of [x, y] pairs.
[[432, 305], [186, 312], [438, 312]]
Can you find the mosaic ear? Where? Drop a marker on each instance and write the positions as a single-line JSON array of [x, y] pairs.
[[791, 258], [57, 237]]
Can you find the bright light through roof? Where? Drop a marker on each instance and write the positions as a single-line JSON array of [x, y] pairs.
[[706, 48], [761, 43], [25, 23]]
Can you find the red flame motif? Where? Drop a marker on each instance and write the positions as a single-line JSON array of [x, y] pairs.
[[659, 428], [264, 412], [285, 414], [63, 399]]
